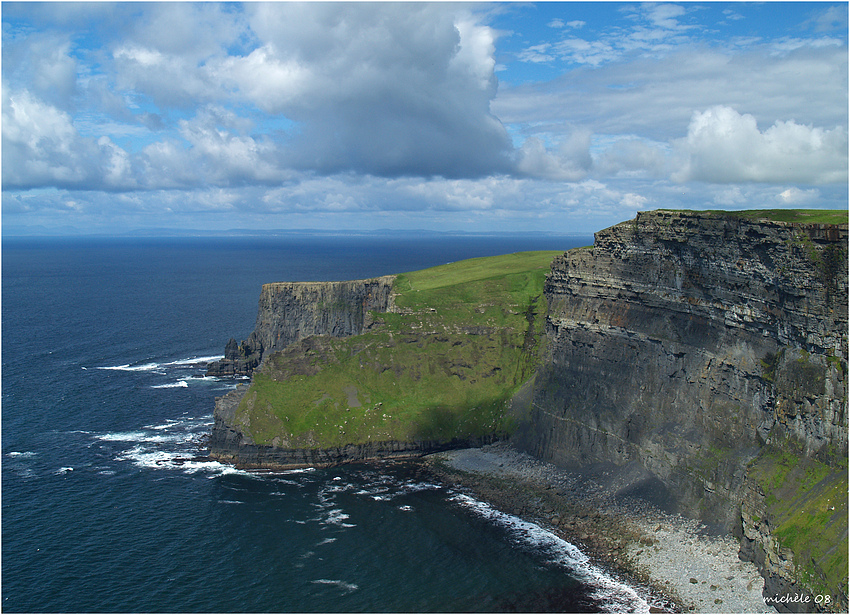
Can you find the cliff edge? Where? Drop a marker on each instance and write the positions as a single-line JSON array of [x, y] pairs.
[[706, 354], [290, 311]]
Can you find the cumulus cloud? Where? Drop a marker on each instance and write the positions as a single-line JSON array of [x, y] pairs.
[[725, 146], [655, 98], [40, 144], [384, 89], [358, 112]]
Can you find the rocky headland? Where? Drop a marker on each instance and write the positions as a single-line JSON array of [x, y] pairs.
[[696, 360]]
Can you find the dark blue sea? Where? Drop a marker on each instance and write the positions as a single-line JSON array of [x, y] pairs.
[[106, 506]]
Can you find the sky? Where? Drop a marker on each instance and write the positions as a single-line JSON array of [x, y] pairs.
[[473, 117]]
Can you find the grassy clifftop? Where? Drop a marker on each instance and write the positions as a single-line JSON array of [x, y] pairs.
[[463, 339], [801, 216]]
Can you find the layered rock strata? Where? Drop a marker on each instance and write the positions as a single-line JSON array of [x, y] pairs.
[[290, 311], [685, 343]]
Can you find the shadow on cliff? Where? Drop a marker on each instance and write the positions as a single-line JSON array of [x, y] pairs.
[[464, 425]]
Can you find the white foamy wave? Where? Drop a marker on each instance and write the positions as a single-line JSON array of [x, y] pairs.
[[22, 454], [347, 587], [181, 384], [146, 457], [125, 436], [195, 361], [168, 424], [144, 436], [337, 517], [64, 470], [147, 367], [615, 596]]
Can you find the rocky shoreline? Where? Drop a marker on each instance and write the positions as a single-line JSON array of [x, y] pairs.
[[685, 567]]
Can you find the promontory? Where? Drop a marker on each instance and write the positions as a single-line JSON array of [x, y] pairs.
[[701, 354]]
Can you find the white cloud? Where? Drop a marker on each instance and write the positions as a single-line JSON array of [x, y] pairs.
[[377, 88], [370, 114], [40, 144], [42, 64], [537, 53], [656, 98], [570, 161], [633, 157], [725, 146], [794, 197]]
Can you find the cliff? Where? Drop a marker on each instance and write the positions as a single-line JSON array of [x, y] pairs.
[[290, 311], [699, 349], [698, 359], [394, 367]]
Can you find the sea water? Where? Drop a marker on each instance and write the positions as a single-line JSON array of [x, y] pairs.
[[109, 506]]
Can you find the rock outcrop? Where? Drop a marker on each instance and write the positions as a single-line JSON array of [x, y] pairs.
[[688, 342], [290, 311]]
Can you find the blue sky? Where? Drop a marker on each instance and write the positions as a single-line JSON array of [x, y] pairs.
[[561, 117]]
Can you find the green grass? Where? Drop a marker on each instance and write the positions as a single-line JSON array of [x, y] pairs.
[[803, 216], [807, 506], [466, 337]]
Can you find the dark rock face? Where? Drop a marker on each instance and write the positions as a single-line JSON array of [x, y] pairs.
[[685, 342], [290, 311]]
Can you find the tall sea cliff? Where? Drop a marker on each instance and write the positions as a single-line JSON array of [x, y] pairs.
[[699, 357], [707, 355]]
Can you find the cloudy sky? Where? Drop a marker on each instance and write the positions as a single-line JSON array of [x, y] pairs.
[[562, 117]]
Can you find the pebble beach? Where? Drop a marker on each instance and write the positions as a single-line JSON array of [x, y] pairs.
[[683, 566]]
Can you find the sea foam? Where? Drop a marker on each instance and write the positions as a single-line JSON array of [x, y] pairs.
[[616, 596]]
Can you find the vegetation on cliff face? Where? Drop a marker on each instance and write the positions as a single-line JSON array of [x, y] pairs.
[[806, 511], [462, 340]]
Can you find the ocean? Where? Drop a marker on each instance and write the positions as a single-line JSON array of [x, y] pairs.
[[107, 507]]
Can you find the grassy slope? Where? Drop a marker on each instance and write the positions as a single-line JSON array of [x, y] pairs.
[[465, 339], [807, 508]]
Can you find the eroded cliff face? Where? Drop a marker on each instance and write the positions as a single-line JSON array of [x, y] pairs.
[[685, 343], [290, 311]]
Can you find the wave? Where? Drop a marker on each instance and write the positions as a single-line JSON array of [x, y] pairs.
[[195, 422], [22, 454], [152, 366], [337, 517], [195, 361], [144, 457], [613, 594], [122, 436], [146, 367], [347, 587], [180, 384]]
